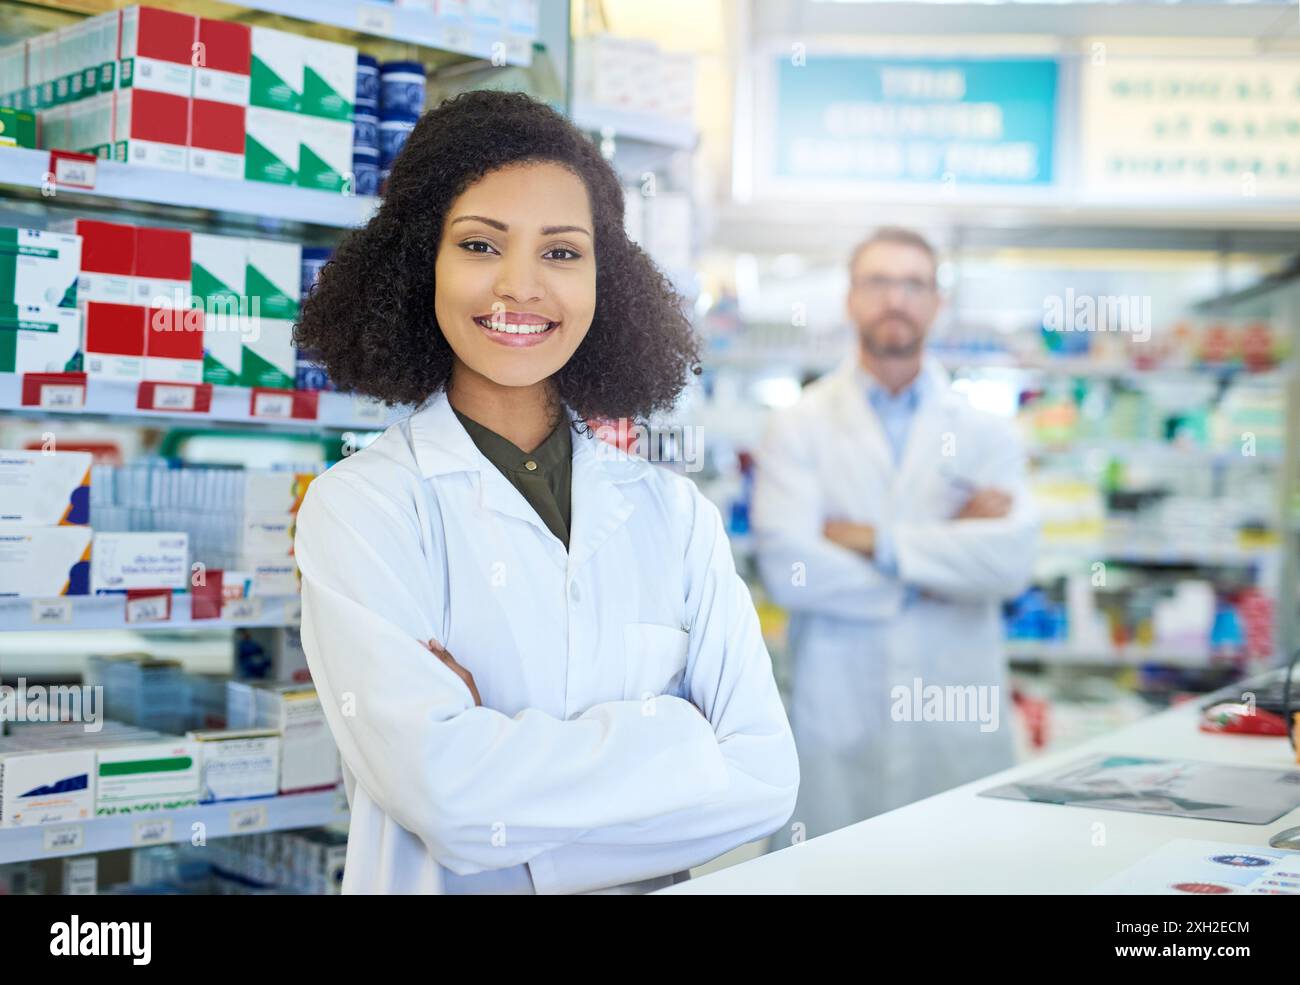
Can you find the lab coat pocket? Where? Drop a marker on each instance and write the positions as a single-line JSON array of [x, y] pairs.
[[655, 660]]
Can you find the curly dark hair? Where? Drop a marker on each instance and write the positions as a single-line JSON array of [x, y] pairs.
[[370, 318]]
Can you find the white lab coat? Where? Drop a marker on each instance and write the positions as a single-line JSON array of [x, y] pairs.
[[857, 633], [586, 767]]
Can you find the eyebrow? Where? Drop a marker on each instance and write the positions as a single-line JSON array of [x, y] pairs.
[[497, 224]]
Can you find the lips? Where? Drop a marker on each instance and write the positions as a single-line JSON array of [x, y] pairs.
[[516, 328]]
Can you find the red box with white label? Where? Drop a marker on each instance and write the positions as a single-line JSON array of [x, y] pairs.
[[156, 50], [173, 351], [107, 260], [218, 110], [217, 139], [221, 72], [151, 129], [114, 341], [162, 267]]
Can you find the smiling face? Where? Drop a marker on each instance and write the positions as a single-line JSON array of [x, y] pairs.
[[516, 274]]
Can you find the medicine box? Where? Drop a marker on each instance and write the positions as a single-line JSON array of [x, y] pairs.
[[123, 561], [150, 776], [40, 562], [44, 488]]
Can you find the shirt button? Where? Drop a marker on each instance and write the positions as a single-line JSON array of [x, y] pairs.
[[531, 466], [574, 593]]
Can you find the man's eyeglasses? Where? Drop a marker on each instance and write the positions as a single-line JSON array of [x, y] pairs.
[[913, 288]]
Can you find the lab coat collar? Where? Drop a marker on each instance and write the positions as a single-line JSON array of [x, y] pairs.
[[597, 508], [936, 399]]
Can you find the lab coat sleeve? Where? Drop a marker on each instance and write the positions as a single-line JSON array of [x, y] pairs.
[[800, 568], [976, 560], [482, 790], [729, 677]]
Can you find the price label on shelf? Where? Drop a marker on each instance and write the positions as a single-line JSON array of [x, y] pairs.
[[293, 611], [54, 391], [62, 396], [150, 607], [242, 610], [67, 838], [174, 398], [72, 170], [152, 831], [519, 51], [283, 405], [373, 19], [51, 612], [273, 404], [167, 397], [456, 37], [244, 820]]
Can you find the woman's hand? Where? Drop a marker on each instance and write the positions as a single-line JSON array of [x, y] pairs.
[[456, 668]]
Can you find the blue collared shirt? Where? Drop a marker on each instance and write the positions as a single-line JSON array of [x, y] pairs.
[[895, 413]]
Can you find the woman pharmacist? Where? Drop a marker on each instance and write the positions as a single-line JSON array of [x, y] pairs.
[[595, 707]]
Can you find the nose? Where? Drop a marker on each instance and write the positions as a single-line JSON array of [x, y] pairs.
[[519, 280], [897, 294]]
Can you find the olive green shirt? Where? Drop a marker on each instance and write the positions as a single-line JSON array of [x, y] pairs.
[[542, 476]]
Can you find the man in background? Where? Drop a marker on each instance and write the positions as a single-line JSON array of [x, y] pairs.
[[891, 519]]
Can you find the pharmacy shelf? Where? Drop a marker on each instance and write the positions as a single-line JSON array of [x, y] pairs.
[[630, 125], [230, 405], [220, 820], [67, 612], [1166, 451], [121, 185], [1059, 652], [1227, 555], [409, 25], [1086, 367]]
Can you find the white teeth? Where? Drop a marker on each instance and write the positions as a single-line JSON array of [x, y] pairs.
[[514, 329]]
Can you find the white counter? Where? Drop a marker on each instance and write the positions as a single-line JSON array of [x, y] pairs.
[[958, 842]]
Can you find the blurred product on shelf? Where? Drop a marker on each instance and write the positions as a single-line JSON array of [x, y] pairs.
[[58, 768], [1239, 417], [17, 127], [45, 488], [309, 861], [238, 764], [272, 653], [40, 328], [309, 760], [45, 542], [54, 772], [401, 101], [166, 89], [1220, 343], [306, 861], [1147, 614], [634, 75], [538, 79], [239, 521], [122, 562]]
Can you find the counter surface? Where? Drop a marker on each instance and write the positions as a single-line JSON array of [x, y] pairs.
[[959, 842]]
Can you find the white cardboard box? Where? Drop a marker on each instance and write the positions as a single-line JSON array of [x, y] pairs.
[[46, 786], [40, 489], [157, 559]]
